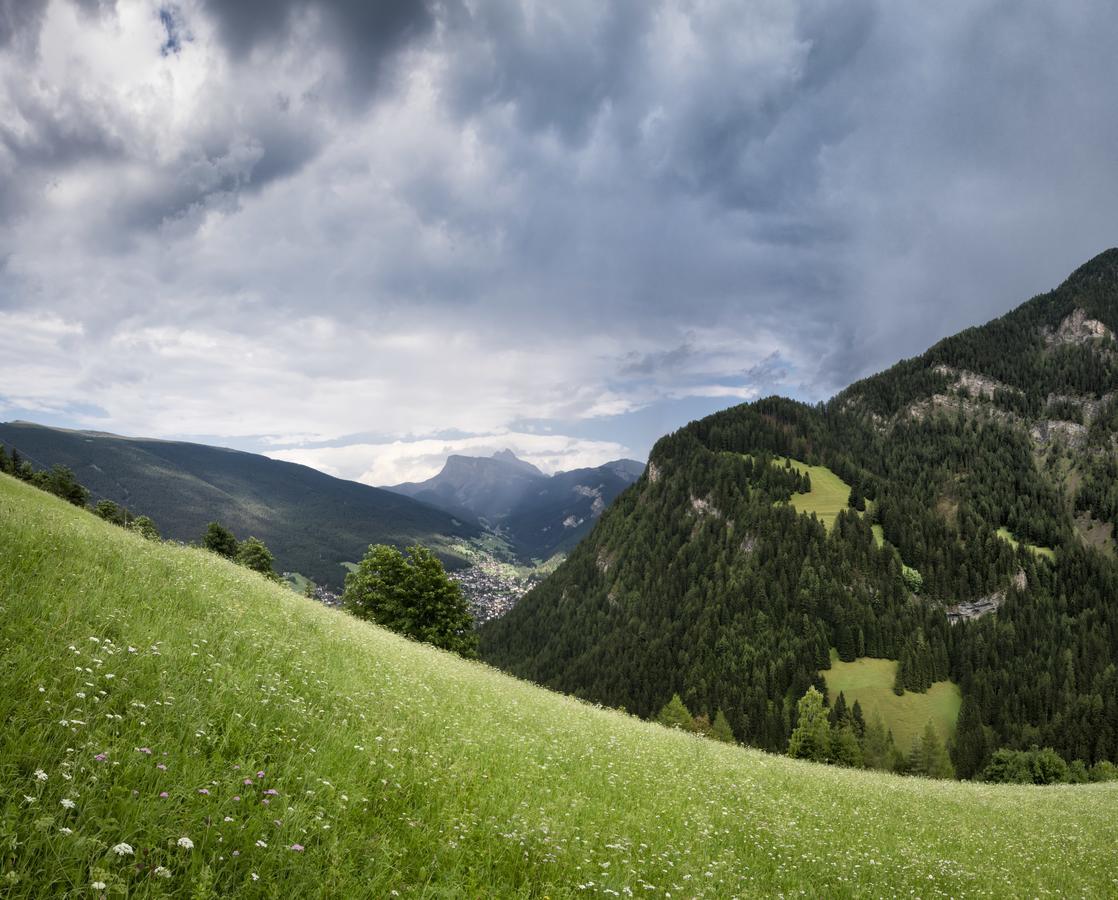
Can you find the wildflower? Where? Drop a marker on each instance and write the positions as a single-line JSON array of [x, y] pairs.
[[186, 843], [66, 830], [101, 757], [163, 795], [162, 872], [236, 852], [40, 775], [261, 843], [67, 803], [237, 798], [259, 774], [28, 798], [255, 877], [248, 781], [146, 750], [123, 849], [271, 792], [98, 885], [228, 818], [298, 848], [161, 767], [265, 801], [203, 791]]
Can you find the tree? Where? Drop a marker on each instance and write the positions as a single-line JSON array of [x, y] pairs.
[[253, 554], [675, 715], [110, 512], [411, 595], [721, 730], [60, 481], [929, 756], [858, 719], [839, 712], [220, 540], [145, 527], [845, 750], [811, 738], [877, 748]]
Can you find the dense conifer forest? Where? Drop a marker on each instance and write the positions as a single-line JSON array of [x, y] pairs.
[[987, 468]]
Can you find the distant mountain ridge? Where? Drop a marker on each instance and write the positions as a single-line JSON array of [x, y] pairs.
[[311, 521], [539, 514]]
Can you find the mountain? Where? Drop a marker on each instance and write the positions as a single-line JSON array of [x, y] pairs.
[[175, 725], [312, 522], [954, 514], [539, 515]]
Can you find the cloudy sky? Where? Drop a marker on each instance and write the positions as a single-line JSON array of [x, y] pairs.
[[363, 235]]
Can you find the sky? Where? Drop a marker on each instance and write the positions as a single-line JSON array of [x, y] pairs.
[[362, 236]]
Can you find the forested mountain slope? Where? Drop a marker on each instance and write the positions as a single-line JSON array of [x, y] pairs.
[[311, 521], [971, 463]]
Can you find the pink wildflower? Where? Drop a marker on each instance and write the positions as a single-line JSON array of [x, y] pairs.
[[146, 750], [203, 791], [164, 795], [298, 848], [101, 757]]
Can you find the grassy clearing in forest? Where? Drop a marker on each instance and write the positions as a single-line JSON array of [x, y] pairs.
[[1006, 535], [175, 725], [870, 682]]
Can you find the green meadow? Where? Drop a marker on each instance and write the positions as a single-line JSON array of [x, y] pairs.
[[1006, 535], [829, 494], [174, 725], [870, 682]]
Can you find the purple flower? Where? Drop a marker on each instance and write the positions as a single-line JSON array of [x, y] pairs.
[[248, 781], [259, 774], [237, 798], [204, 791], [161, 767], [146, 750], [101, 757], [298, 848], [271, 792], [164, 795], [265, 801]]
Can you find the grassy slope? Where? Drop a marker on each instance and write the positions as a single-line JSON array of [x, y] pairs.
[[828, 495], [870, 681], [1006, 535], [399, 767]]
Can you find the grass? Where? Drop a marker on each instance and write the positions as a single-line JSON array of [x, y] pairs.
[[398, 768], [1046, 552], [829, 494], [870, 682]]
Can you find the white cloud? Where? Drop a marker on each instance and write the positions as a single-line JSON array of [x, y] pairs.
[[390, 463]]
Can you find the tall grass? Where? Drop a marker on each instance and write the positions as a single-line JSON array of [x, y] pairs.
[[165, 694]]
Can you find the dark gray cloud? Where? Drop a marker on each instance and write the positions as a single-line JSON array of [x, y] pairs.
[[463, 215], [367, 33]]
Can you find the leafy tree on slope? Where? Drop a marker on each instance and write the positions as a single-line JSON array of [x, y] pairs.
[[411, 595]]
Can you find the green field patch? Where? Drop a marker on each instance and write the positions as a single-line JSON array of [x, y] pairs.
[[1046, 552], [870, 682], [879, 536]]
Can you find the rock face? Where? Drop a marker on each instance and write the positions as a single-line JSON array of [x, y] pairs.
[[1072, 434], [974, 384], [1078, 328]]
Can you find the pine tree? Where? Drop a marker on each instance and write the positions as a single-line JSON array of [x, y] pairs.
[[845, 749], [721, 730], [858, 719], [811, 738], [675, 715], [839, 711]]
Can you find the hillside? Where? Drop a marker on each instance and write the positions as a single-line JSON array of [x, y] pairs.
[[981, 490], [538, 515], [167, 695], [311, 521]]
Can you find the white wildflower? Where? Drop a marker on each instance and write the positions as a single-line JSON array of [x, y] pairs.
[[40, 775], [66, 830], [98, 885], [255, 877], [123, 849], [186, 843], [162, 872], [67, 803]]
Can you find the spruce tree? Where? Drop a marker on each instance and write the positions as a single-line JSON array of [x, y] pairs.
[[674, 714], [721, 730]]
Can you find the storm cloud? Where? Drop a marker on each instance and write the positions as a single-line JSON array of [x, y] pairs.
[[308, 225]]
